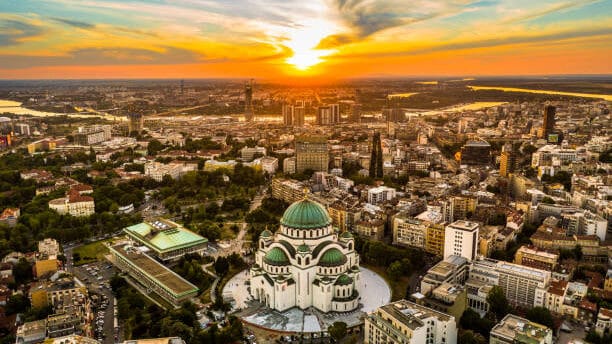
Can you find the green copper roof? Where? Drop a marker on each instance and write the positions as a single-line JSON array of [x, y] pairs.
[[266, 233], [303, 248], [173, 237], [276, 256], [305, 214], [344, 279], [332, 257], [346, 235]]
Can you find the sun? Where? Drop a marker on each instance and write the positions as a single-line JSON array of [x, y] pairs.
[[303, 42]]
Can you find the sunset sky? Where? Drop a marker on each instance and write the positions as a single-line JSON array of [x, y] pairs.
[[273, 39]]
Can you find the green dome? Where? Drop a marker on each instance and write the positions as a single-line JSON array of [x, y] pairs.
[[305, 214], [332, 257], [303, 248], [266, 233], [344, 279], [276, 256], [346, 235]]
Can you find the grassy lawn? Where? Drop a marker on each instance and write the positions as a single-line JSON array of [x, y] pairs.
[[227, 233], [398, 288], [91, 252]]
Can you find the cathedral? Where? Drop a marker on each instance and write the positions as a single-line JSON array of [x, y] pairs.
[[306, 264]]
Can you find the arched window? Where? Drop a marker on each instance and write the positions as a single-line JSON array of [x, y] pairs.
[[299, 260], [350, 245], [307, 260]]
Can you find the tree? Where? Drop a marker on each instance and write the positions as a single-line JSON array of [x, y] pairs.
[[470, 337], [221, 266], [498, 302], [577, 251], [395, 270], [548, 200], [337, 330], [540, 315]]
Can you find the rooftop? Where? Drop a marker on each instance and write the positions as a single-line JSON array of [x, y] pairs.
[[166, 277], [412, 314], [163, 235], [521, 330]]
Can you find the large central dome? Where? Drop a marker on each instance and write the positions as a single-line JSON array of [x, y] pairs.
[[305, 214]]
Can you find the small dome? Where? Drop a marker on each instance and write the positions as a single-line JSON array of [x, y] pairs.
[[266, 233], [305, 214], [344, 279], [346, 235], [276, 256], [303, 248], [332, 257]]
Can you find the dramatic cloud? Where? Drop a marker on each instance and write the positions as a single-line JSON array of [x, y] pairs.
[[298, 37], [74, 23], [13, 31]]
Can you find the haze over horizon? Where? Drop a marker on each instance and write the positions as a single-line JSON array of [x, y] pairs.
[[314, 40]]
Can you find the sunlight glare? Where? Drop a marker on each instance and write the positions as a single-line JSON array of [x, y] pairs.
[[303, 42]]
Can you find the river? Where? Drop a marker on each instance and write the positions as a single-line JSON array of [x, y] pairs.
[[14, 107], [607, 97]]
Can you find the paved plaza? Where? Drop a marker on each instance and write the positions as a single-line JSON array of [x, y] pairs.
[[310, 320]]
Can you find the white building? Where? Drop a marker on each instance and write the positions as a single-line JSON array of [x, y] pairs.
[[289, 165], [381, 194], [523, 286], [157, 170], [461, 239], [269, 164], [305, 264], [75, 204], [91, 135], [409, 323], [49, 247], [248, 153]]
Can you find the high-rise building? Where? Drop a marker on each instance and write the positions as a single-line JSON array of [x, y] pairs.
[[461, 239], [394, 114], [293, 115], [328, 114], [299, 112], [507, 161], [135, 122], [311, 153], [288, 111], [476, 153], [407, 322], [548, 122], [248, 101], [376, 160], [355, 116]]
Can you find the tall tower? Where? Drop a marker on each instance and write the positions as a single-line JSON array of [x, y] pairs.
[[288, 111], [507, 161], [548, 121], [376, 161], [461, 239], [248, 101]]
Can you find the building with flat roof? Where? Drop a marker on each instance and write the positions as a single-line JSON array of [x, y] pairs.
[[523, 286], [452, 270], [461, 239], [311, 153], [407, 322], [536, 258], [32, 332], [166, 239], [516, 330], [154, 276]]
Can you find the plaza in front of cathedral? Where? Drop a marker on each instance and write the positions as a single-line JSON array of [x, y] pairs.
[[305, 276]]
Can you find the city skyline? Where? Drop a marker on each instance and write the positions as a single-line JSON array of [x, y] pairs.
[[315, 40]]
